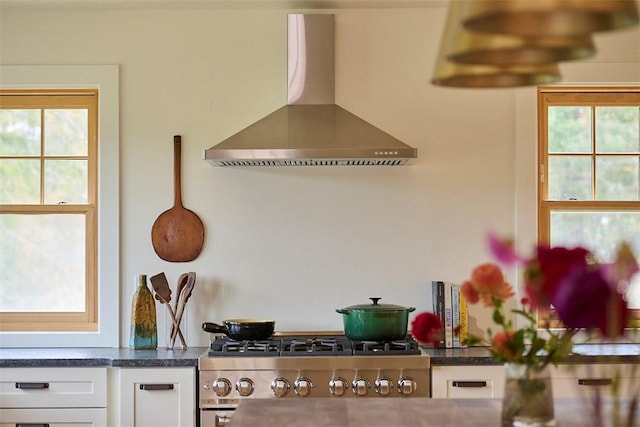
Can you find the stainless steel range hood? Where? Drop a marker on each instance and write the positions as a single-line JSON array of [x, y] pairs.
[[311, 130]]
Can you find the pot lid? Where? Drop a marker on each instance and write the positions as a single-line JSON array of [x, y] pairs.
[[375, 306]]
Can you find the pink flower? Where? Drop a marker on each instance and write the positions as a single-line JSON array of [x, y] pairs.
[[504, 344], [469, 292], [503, 250], [487, 280], [427, 328]]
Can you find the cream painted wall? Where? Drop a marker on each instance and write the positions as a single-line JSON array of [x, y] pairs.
[[294, 244]]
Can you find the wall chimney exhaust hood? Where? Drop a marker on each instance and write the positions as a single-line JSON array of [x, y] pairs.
[[311, 130]]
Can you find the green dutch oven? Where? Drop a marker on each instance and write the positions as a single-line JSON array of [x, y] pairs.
[[375, 322]]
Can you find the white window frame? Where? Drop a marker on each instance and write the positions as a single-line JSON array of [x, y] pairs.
[[106, 79]]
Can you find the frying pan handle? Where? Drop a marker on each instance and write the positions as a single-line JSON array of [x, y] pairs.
[[214, 327]]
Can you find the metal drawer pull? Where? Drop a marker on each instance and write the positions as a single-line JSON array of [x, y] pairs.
[[156, 386], [595, 381], [32, 425], [32, 386], [469, 384]]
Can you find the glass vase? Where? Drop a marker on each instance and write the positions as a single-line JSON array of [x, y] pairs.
[[144, 328], [528, 397]]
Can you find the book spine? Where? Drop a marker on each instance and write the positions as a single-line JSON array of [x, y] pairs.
[[438, 302], [455, 311], [464, 320], [448, 317]]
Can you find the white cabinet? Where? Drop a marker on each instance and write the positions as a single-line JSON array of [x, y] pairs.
[[469, 381], [569, 380], [582, 380], [53, 396], [153, 397]]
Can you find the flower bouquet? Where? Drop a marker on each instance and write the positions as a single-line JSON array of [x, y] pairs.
[[585, 296]]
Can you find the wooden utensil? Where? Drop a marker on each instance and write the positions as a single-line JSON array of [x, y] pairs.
[[185, 293], [182, 281], [178, 233], [163, 294]]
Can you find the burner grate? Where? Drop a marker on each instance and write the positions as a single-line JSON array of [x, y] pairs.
[[226, 347], [312, 346], [384, 348], [325, 346]]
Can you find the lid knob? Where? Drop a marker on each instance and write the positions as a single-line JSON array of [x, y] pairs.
[[375, 300]]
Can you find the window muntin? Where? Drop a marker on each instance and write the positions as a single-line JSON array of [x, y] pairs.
[[589, 169], [48, 221]]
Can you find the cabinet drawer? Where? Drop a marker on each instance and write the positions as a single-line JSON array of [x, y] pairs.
[[53, 388], [84, 417], [467, 382], [583, 380]]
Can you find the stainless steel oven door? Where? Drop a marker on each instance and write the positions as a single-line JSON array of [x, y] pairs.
[[210, 417]]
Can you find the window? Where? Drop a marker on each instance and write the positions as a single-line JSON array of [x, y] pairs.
[[103, 80], [48, 221], [589, 170]]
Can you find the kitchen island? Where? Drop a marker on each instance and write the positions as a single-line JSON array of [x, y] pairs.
[[417, 412]]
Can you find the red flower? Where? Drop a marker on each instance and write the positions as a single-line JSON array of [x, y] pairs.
[[545, 273], [427, 328], [585, 299]]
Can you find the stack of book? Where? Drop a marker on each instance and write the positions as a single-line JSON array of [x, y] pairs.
[[451, 307]]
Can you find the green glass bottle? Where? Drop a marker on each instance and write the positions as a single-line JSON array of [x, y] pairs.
[[144, 328]]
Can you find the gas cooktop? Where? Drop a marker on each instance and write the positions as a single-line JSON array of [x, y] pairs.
[[304, 345]]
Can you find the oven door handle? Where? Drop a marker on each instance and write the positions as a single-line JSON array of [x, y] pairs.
[[223, 421], [216, 417]]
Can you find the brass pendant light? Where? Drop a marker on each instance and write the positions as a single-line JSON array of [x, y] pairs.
[[469, 47], [530, 18], [502, 70], [489, 49], [484, 76]]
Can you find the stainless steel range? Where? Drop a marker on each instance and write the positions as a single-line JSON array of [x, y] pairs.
[[299, 366]]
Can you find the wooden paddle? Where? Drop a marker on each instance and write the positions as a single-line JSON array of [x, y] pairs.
[[177, 234]]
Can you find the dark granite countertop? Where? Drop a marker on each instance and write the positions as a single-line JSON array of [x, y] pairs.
[[583, 353], [90, 357], [125, 357]]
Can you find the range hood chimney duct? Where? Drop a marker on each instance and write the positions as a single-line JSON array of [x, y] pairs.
[[311, 130]]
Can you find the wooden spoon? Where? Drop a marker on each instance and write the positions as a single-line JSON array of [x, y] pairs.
[[182, 302], [182, 282], [178, 233], [163, 294]]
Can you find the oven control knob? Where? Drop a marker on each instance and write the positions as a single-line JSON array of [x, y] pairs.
[[360, 386], [406, 386], [244, 387], [337, 386], [280, 387], [302, 387], [383, 386], [221, 387]]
